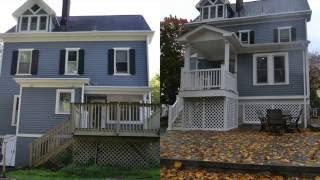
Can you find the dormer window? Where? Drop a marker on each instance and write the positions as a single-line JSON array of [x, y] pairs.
[[212, 10], [34, 19]]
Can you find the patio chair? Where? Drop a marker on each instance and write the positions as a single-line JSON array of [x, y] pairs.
[[275, 120], [263, 120], [294, 121]]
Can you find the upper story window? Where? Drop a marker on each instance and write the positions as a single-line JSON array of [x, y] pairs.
[[246, 36], [64, 97], [270, 69], [284, 34], [24, 62], [212, 10], [72, 61], [34, 19], [121, 64]]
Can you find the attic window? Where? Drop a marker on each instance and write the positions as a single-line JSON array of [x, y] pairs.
[[211, 10], [35, 8]]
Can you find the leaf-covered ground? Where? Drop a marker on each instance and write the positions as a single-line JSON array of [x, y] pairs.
[[177, 174], [243, 146]]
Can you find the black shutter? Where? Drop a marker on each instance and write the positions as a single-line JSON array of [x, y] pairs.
[[81, 61], [14, 62], [237, 33], [252, 37], [110, 61], [132, 61], [62, 61], [293, 34], [275, 36], [35, 62]]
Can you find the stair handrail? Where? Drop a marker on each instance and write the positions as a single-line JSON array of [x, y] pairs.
[[174, 111], [48, 143]]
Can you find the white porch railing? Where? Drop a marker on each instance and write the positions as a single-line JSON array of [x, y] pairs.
[[174, 111], [208, 79]]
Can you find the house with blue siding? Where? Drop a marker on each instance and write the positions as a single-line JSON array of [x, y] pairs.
[[73, 76], [241, 58]]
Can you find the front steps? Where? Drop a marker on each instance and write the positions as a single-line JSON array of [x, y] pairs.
[[178, 123]]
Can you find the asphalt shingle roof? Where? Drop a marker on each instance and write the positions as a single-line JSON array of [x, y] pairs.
[[267, 7], [104, 23]]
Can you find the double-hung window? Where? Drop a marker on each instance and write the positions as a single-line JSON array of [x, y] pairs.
[[72, 61], [24, 62], [15, 110], [284, 34], [244, 36], [64, 97], [270, 69], [121, 58]]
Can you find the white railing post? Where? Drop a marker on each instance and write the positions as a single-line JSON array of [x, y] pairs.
[[118, 117], [223, 77]]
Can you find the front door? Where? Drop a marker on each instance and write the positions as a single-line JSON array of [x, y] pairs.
[[98, 112], [10, 154]]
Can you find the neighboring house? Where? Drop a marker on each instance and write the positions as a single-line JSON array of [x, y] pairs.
[[240, 58], [99, 63]]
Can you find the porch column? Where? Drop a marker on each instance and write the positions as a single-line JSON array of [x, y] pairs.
[[187, 58], [226, 55]]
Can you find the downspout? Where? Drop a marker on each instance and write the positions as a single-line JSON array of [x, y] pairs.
[[304, 89]]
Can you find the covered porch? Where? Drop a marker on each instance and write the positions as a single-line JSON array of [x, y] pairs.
[[210, 61]]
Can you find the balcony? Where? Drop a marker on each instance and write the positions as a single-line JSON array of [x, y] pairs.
[[208, 80]]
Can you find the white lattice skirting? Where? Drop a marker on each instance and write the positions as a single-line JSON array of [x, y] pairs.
[[248, 109], [210, 113]]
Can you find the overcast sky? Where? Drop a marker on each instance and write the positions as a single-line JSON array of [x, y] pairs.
[[186, 9], [148, 8]]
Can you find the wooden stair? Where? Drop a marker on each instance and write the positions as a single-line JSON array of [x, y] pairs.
[[51, 146]]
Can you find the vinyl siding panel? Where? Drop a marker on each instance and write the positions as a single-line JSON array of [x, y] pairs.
[[95, 65], [22, 151], [38, 110], [264, 31], [245, 77]]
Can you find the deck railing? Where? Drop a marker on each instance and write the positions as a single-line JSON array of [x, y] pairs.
[[174, 112], [41, 148], [116, 117], [208, 79]]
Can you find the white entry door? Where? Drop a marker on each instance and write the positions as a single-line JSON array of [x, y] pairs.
[[10, 155]]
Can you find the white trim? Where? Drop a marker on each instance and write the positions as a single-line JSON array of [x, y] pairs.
[[19, 112], [269, 97], [207, 27], [130, 90], [14, 112], [58, 92], [216, 6], [52, 82], [1, 58], [30, 135], [29, 23], [27, 5], [284, 28], [115, 61], [240, 35], [18, 62], [270, 61], [67, 61], [76, 36]]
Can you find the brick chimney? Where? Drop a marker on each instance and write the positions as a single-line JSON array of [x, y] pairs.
[[65, 15]]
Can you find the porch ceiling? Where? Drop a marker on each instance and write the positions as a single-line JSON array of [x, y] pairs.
[[211, 50]]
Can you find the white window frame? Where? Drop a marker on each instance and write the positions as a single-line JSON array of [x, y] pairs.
[[38, 20], [18, 62], [14, 113], [216, 14], [284, 28], [240, 36], [58, 92], [67, 60], [115, 61], [270, 62]]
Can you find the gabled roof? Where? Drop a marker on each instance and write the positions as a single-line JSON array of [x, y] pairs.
[[104, 23], [212, 1], [30, 3]]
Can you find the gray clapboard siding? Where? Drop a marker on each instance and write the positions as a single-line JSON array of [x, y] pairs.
[[38, 110], [245, 79], [96, 61], [264, 31], [22, 151]]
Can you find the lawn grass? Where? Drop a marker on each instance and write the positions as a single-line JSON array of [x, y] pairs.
[[90, 172]]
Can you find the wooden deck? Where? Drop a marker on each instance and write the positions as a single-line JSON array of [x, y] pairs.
[[125, 120]]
